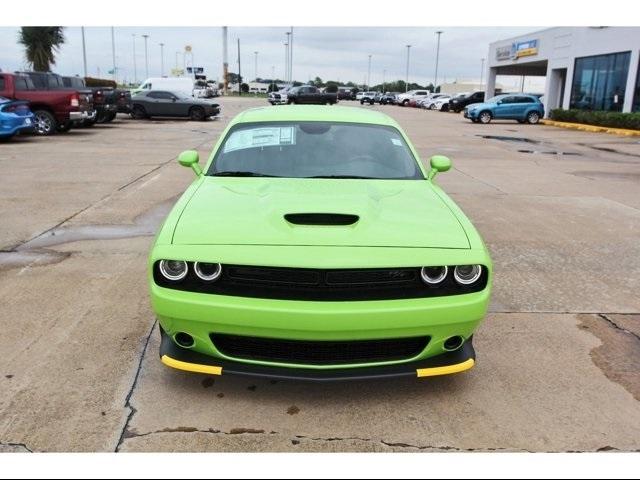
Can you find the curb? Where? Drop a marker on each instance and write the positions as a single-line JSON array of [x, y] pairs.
[[592, 128]]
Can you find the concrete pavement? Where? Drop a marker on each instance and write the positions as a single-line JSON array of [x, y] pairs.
[[558, 356]]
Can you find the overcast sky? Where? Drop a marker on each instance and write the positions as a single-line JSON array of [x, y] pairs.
[[332, 53]]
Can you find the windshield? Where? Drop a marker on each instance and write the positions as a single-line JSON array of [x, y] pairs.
[[315, 150]]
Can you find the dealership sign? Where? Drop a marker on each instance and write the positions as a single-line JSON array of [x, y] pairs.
[[517, 50]]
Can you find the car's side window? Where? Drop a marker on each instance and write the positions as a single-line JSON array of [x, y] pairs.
[[525, 100], [21, 83], [507, 100]]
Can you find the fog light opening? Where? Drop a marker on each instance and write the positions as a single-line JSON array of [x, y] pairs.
[[184, 340], [453, 343]]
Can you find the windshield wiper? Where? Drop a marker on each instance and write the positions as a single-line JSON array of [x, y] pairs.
[[241, 174], [343, 176]]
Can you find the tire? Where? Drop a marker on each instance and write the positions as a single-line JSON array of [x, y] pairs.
[[45, 123], [405, 103], [197, 114], [485, 117], [111, 117], [432, 106], [533, 118], [64, 127], [361, 102], [445, 108], [138, 112]]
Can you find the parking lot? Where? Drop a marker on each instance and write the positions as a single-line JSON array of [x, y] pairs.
[[558, 356]]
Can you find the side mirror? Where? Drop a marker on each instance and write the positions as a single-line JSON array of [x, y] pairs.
[[190, 158], [439, 163]]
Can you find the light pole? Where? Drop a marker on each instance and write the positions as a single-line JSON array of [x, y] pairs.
[[481, 72], [162, 59], [291, 56], [84, 53], [369, 74], [273, 75], [177, 56], [135, 68], [288, 60], [435, 83], [406, 85], [384, 75], [255, 65], [146, 56], [113, 53]]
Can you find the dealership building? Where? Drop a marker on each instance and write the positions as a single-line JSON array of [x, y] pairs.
[[590, 68]]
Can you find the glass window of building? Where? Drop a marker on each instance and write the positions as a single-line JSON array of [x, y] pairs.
[[599, 82], [636, 95]]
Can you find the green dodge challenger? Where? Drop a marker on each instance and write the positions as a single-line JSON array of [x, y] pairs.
[[314, 245]]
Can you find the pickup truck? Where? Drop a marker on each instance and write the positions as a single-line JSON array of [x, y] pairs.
[[53, 109], [123, 100], [310, 95], [104, 99]]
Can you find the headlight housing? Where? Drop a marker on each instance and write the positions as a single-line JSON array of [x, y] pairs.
[[207, 272], [174, 270], [467, 274], [433, 275]]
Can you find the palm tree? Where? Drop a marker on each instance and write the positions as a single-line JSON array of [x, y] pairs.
[[41, 45]]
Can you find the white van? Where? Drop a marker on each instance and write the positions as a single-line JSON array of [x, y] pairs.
[[172, 84]]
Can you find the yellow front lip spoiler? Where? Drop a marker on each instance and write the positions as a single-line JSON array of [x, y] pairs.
[[190, 367], [446, 370], [213, 370]]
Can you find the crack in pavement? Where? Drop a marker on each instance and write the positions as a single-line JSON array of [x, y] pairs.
[[127, 403], [19, 445], [618, 327]]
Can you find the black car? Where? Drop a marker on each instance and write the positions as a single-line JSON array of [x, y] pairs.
[[158, 103], [104, 99], [457, 103], [308, 94], [388, 98]]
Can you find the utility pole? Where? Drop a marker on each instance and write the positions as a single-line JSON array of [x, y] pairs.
[[162, 59], [239, 72], [435, 83], [84, 53], [273, 75], [406, 85], [177, 55], [135, 68], [369, 74], [481, 72], [384, 74], [225, 61], [113, 54], [146, 57]]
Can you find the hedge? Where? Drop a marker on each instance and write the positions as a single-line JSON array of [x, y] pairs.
[[601, 119]]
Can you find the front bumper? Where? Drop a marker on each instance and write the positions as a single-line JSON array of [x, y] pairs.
[[188, 360]]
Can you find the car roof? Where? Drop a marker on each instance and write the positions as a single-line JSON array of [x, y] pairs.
[[314, 113]]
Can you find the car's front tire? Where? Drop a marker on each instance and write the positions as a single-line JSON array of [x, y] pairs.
[[485, 117], [197, 114], [533, 118]]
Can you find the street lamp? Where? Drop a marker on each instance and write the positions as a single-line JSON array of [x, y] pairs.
[[435, 83], [406, 85], [255, 66], [369, 74], [289, 45], [113, 53], [384, 75], [162, 59], [286, 62], [135, 68], [84, 53], [146, 57]]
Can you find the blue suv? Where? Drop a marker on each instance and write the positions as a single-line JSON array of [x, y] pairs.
[[520, 107]]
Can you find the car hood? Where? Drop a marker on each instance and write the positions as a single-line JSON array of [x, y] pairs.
[[251, 211], [480, 105]]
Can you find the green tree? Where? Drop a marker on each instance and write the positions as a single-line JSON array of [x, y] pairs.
[[233, 77], [41, 46], [318, 82], [273, 87], [245, 88], [331, 87]]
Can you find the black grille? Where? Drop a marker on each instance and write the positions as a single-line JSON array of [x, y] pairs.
[[321, 284], [319, 352]]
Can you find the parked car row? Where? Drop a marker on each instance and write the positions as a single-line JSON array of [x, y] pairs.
[[45, 103]]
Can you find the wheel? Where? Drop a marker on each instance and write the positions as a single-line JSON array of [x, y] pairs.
[[197, 113], [405, 103], [111, 116], [64, 127], [45, 122], [138, 112], [432, 106], [445, 108], [484, 117], [533, 118], [361, 102]]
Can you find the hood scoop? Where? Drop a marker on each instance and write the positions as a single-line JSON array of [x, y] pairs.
[[321, 219]]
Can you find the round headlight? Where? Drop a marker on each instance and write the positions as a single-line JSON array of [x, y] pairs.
[[467, 274], [173, 270], [208, 272], [433, 275]]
